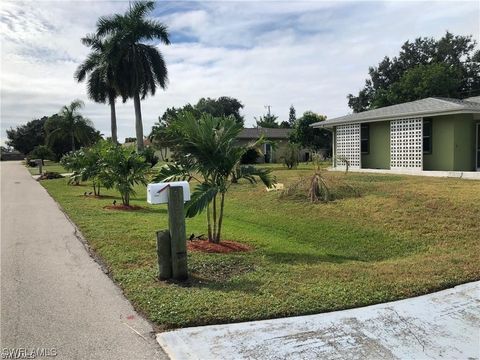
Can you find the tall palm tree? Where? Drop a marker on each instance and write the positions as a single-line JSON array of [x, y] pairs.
[[139, 67], [101, 80], [69, 123]]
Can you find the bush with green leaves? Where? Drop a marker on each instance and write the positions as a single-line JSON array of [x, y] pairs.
[[124, 168], [88, 164], [212, 156], [290, 157], [149, 154]]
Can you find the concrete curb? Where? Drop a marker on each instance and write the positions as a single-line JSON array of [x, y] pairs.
[[445, 324]]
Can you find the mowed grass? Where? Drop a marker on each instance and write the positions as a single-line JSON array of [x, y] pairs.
[[49, 166], [404, 236]]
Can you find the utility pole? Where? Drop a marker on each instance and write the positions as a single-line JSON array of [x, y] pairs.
[[268, 107]]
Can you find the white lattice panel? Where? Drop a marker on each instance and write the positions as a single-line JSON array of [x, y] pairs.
[[347, 142], [406, 139]]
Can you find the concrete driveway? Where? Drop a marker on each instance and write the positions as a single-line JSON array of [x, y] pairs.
[[54, 298], [443, 325]]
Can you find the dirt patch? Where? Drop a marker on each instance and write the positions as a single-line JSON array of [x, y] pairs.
[[225, 246], [123, 207], [49, 175]]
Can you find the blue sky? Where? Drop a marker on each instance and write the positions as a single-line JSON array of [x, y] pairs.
[[309, 53]]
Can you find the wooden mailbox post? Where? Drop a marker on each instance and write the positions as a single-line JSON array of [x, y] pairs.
[[172, 243]]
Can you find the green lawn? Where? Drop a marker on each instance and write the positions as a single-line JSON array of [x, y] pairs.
[[404, 236], [49, 166]]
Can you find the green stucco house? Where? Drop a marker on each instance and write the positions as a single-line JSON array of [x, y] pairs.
[[432, 134]]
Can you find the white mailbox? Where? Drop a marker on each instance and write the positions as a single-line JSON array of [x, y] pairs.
[[158, 193]]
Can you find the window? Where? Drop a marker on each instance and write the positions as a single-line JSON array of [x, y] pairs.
[[365, 138], [427, 136]]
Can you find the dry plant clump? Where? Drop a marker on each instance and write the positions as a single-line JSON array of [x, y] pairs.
[[319, 188]]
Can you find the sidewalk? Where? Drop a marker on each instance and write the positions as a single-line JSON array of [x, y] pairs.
[[53, 295], [442, 325]]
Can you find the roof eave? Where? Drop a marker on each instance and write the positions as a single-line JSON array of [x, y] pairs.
[[393, 117]]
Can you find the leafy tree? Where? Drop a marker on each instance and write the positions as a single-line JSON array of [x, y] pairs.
[[159, 136], [292, 116], [42, 152], [268, 121], [284, 125], [124, 169], [71, 125], [457, 54], [212, 157], [139, 67], [223, 106], [26, 137], [101, 86], [309, 137], [423, 81]]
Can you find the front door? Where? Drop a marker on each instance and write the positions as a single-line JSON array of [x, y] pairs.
[[268, 153], [478, 147]]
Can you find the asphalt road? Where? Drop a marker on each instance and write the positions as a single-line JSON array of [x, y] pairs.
[[54, 297]]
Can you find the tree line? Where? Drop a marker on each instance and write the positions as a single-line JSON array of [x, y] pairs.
[[50, 137], [447, 67]]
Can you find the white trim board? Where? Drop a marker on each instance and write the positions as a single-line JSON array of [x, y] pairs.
[[469, 175]]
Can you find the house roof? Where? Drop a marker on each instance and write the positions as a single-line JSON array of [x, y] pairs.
[[425, 107], [255, 133], [146, 142]]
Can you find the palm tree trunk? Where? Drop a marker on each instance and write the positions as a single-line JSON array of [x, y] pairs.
[[214, 219], [138, 122], [113, 120], [220, 219], [209, 224], [73, 141]]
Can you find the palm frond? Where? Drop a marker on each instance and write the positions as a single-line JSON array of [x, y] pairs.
[[173, 172], [202, 196], [249, 172]]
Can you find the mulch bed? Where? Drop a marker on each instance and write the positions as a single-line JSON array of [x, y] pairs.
[[224, 247], [123, 207]]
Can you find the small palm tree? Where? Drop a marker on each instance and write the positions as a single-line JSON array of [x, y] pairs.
[[69, 124], [101, 86], [139, 67], [210, 155], [123, 170]]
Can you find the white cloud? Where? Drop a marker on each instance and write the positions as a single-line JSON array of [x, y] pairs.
[[310, 54]]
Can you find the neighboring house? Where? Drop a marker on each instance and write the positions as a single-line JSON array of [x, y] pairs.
[[270, 154], [436, 134], [133, 142], [11, 155]]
